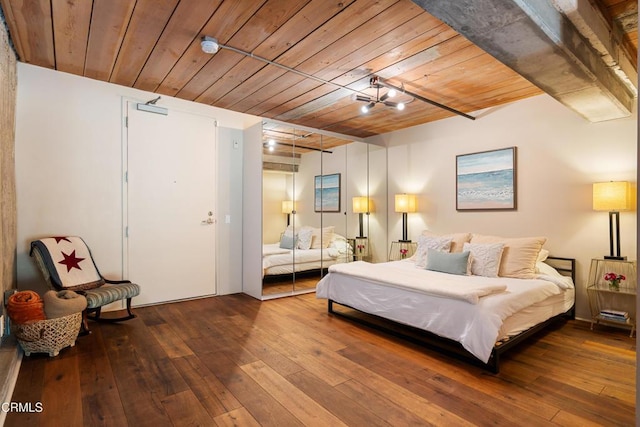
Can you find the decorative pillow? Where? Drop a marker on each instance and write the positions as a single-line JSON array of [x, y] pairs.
[[485, 258], [457, 239], [425, 243], [321, 237], [305, 235], [519, 254], [444, 262], [542, 256], [288, 241]]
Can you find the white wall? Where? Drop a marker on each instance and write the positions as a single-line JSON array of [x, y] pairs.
[[251, 195], [560, 155], [275, 187], [69, 168]]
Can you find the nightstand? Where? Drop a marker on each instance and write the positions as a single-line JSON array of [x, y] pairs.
[[616, 307], [359, 248], [402, 249]]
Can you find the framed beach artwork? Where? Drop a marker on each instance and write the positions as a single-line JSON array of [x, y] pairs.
[[486, 180], [327, 193]]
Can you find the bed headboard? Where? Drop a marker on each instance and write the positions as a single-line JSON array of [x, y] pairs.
[[566, 266]]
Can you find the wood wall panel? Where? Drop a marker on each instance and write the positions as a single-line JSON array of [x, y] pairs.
[[183, 29], [8, 223], [31, 21], [154, 45], [108, 26], [147, 23], [227, 20], [71, 20]]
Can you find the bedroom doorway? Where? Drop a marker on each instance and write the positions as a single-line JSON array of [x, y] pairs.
[[170, 210]]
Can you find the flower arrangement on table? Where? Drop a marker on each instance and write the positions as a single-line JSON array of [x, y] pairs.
[[403, 253], [614, 280]]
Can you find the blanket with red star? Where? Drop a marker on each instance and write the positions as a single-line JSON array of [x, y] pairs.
[[68, 261]]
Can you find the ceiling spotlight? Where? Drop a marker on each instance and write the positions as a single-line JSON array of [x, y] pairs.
[[392, 93], [271, 148], [365, 108], [400, 106], [271, 143], [362, 98], [209, 45]]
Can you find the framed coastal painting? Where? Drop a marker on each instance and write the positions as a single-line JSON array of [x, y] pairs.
[[327, 193], [486, 180]]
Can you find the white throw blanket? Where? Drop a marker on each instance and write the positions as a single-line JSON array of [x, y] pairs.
[[273, 249], [465, 288]]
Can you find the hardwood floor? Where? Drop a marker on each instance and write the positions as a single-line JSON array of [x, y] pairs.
[[233, 360]]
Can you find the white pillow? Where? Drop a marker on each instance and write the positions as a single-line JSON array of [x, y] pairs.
[[519, 255], [457, 239], [340, 245], [485, 258], [321, 237], [542, 256], [305, 236], [546, 272], [425, 243]]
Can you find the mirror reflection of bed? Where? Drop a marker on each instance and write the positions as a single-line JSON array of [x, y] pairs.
[[302, 255], [294, 162]]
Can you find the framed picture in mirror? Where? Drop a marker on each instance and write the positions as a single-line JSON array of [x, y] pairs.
[[327, 193]]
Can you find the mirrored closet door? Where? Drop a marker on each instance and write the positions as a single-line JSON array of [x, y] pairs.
[[318, 206]]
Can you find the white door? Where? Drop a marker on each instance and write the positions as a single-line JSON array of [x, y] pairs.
[[170, 205]]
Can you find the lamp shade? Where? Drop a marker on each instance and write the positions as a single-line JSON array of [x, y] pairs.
[[405, 203], [611, 196], [287, 206], [361, 204]]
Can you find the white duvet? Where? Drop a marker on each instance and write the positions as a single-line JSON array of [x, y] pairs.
[[475, 326], [465, 288], [274, 256]]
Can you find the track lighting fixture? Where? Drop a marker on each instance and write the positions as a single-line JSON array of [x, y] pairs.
[[371, 101], [211, 45]]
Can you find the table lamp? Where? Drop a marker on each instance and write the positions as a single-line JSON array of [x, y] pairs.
[[613, 197], [361, 206], [288, 208], [405, 203]]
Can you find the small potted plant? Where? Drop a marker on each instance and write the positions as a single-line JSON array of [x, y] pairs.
[[614, 280]]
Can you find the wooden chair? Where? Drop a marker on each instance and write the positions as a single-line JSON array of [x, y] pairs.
[[66, 263]]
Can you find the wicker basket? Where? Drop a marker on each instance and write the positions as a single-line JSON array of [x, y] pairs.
[[49, 336]]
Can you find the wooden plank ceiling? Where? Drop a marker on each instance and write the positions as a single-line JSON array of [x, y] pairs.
[[154, 45]]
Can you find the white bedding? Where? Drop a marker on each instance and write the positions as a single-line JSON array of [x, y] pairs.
[[465, 288], [476, 326], [285, 261]]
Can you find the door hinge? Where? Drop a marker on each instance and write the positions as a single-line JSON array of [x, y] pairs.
[[126, 176], [126, 121], [126, 231]]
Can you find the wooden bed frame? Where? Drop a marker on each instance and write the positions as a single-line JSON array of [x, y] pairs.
[[566, 266]]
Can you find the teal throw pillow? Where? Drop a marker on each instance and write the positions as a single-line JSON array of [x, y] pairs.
[[288, 241], [445, 262]]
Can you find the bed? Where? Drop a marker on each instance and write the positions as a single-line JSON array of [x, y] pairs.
[[473, 316], [287, 257]]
